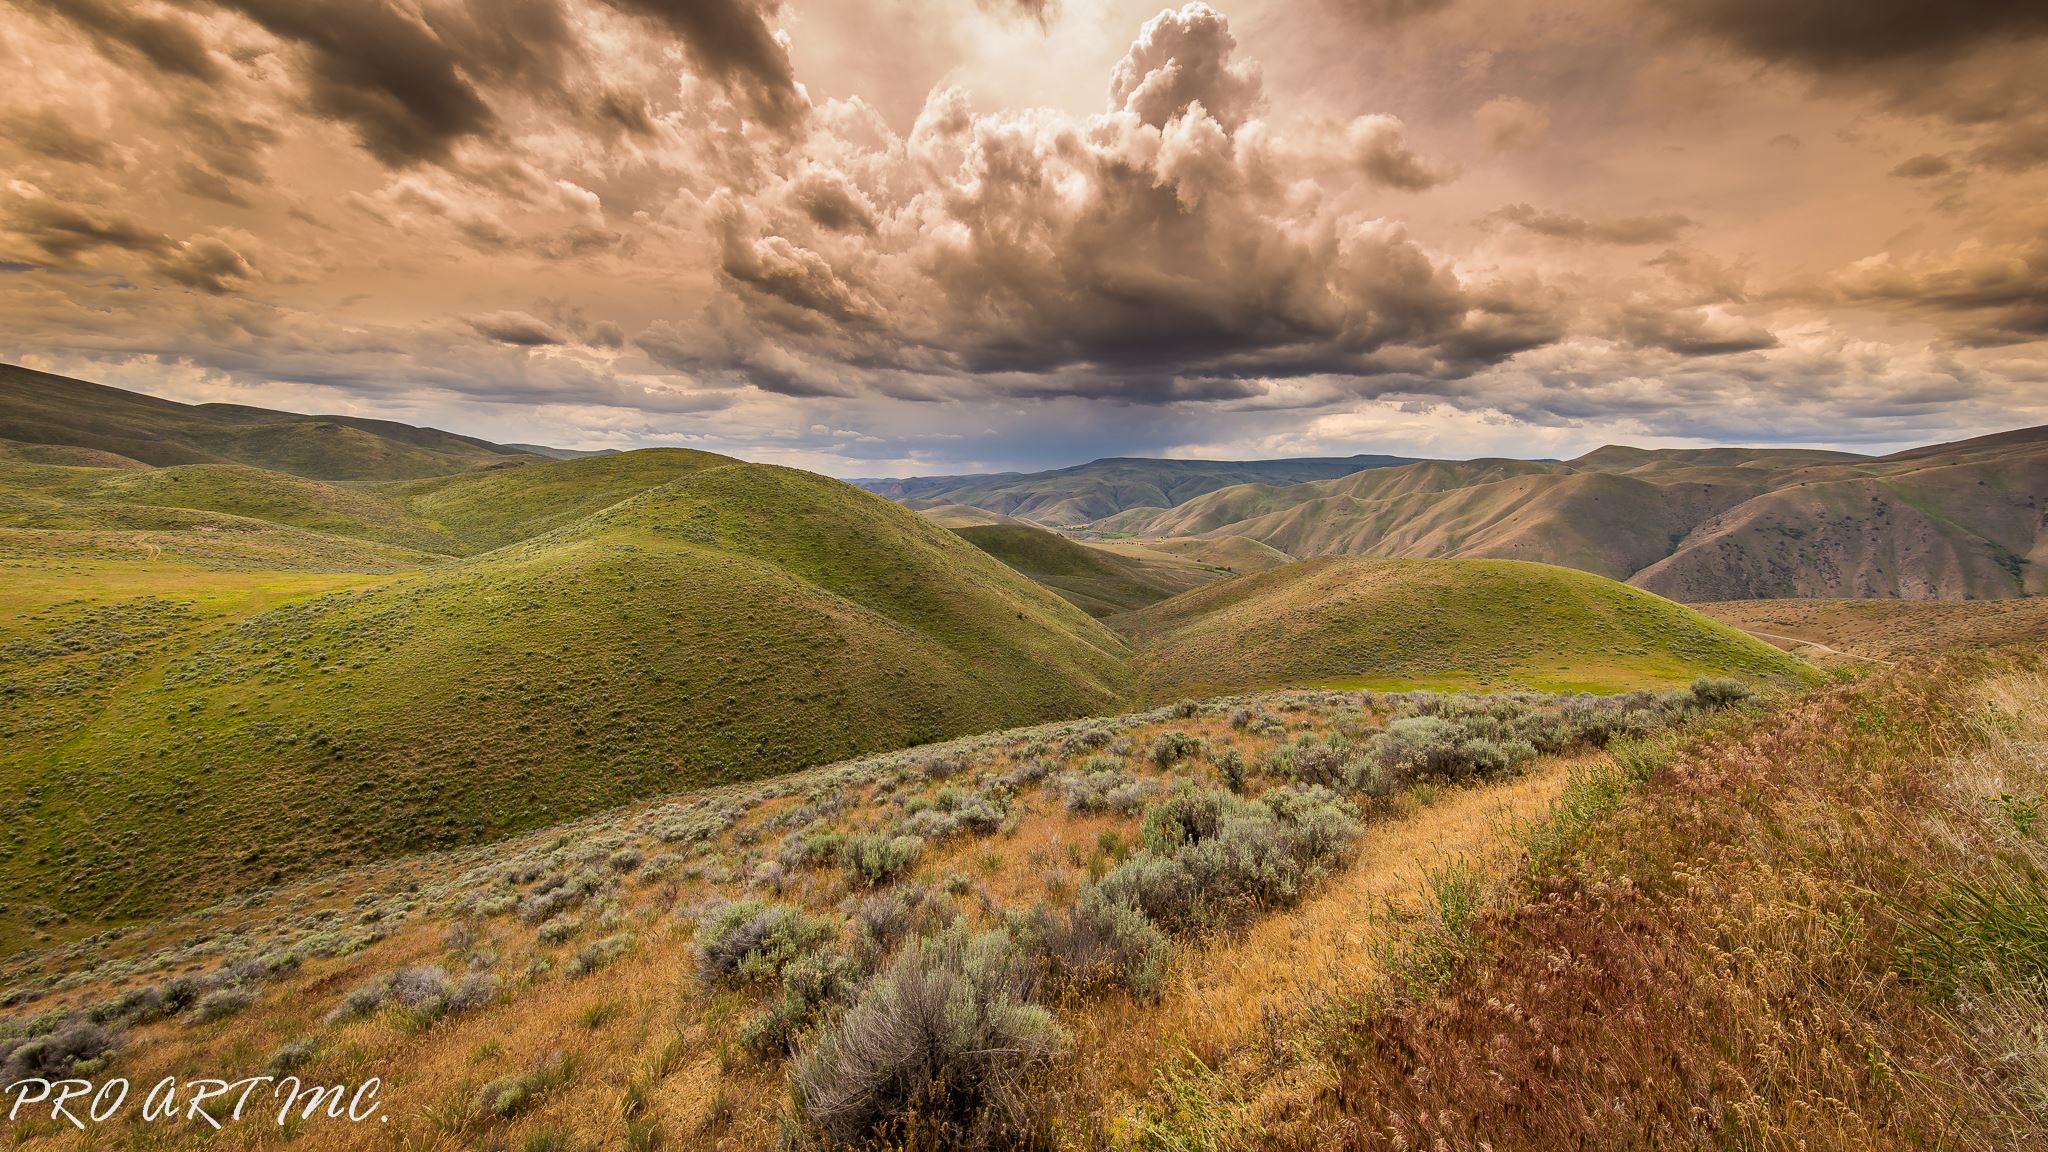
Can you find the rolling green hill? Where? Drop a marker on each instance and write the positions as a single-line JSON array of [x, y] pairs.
[[1233, 555], [965, 516], [486, 509], [259, 494], [1103, 488], [1344, 622], [733, 623], [37, 408], [457, 515], [1099, 582], [210, 517]]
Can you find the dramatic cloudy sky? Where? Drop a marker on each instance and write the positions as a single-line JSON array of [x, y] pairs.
[[886, 237]]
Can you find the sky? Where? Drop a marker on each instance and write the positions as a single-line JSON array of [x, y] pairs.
[[903, 237]]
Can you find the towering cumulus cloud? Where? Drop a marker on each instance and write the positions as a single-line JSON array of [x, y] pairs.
[[1162, 248]]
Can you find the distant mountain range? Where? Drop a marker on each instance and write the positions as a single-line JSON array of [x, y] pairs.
[[1945, 522], [1067, 497], [1967, 520]]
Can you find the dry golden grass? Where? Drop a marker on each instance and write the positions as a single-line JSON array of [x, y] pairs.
[[1886, 629], [1225, 996], [654, 1048], [1728, 959], [652, 1002]]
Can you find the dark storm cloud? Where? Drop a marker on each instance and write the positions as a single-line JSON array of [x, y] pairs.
[[169, 43], [833, 202], [1386, 13], [516, 328], [1136, 281], [407, 83], [50, 135], [1662, 229], [1039, 12], [1845, 35], [1130, 389], [1973, 63], [1923, 167], [64, 231], [412, 82], [208, 264], [732, 42], [1506, 319], [698, 354], [624, 110], [799, 286], [1686, 331], [1981, 295]]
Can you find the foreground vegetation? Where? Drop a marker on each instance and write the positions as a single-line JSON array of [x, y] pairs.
[[1827, 929], [1277, 921], [908, 947]]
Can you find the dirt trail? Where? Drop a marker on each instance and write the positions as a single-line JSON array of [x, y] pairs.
[[1325, 944], [1221, 996], [1813, 644]]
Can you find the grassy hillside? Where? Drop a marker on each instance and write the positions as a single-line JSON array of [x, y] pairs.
[[1235, 555], [1608, 525], [70, 519], [737, 622], [456, 515], [1395, 623], [260, 494], [1099, 582], [1103, 488], [965, 516], [37, 408], [63, 455], [481, 510]]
